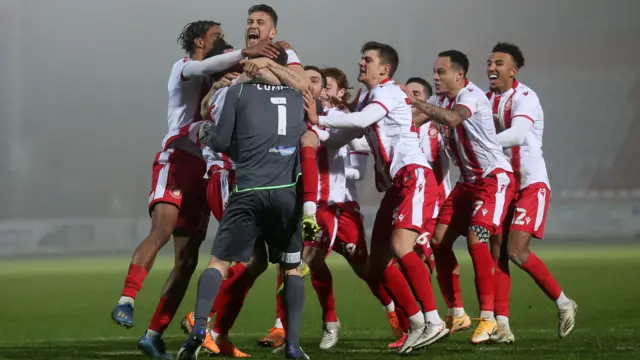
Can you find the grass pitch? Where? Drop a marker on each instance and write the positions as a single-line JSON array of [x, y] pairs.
[[60, 309]]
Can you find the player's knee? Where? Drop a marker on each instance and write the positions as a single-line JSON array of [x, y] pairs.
[[483, 234], [258, 264], [188, 264], [160, 234], [518, 254]]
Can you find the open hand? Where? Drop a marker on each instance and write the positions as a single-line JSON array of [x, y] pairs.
[[263, 48], [310, 108], [285, 45]]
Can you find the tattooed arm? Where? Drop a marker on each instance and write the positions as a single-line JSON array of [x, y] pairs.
[[452, 117], [290, 77]]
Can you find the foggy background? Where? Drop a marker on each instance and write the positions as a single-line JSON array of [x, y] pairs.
[[83, 100]]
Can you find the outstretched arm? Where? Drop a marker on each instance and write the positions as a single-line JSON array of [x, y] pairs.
[[371, 114], [452, 117], [211, 65]]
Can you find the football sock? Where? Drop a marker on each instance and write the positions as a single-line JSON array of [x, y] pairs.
[[419, 279], [133, 281], [208, 287], [309, 166], [502, 287], [542, 276], [448, 276], [483, 265], [322, 282], [294, 301]]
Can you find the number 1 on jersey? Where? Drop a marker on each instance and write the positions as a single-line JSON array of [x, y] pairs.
[[282, 114]]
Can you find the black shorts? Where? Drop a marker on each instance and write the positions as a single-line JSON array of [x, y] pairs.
[[270, 216]]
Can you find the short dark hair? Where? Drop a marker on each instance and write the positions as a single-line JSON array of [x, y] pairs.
[[265, 9], [388, 55], [425, 84], [228, 47], [458, 58], [317, 69], [511, 49], [219, 47], [193, 31]]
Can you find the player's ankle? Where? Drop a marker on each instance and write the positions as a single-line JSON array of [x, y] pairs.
[[503, 321], [487, 314], [309, 208], [126, 300], [562, 299], [152, 334], [456, 311]]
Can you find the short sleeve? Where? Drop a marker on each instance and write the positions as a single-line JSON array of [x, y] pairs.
[[388, 96], [468, 97], [527, 105], [293, 58], [216, 104]]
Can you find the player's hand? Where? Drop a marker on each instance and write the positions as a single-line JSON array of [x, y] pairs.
[[419, 118], [285, 45], [227, 80], [253, 66], [310, 108], [263, 48], [205, 134]]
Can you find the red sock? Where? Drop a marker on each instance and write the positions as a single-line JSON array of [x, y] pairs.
[[419, 279], [309, 165], [322, 282], [485, 280], [280, 310], [165, 312], [542, 276], [225, 294], [399, 290], [382, 294], [503, 287], [133, 281], [403, 319], [238, 292], [448, 277]]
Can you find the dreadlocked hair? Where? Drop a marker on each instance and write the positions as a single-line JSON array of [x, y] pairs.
[[193, 31]]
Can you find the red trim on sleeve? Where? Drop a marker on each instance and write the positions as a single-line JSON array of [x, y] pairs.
[[470, 112], [381, 104], [524, 116]]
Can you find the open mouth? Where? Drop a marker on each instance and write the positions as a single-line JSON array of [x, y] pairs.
[[253, 35], [493, 76]]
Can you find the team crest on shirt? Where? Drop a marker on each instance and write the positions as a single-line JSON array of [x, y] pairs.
[[507, 105], [433, 133], [349, 250], [176, 193]]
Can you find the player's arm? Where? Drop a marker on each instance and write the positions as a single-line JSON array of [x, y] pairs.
[[358, 154], [453, 117], [525, 109], [219, 136], [515, 135], [293, 76], [214, 64]]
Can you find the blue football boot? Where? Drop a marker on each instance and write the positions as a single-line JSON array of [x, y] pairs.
[[191, 347], [123, 315], [154, 348], [295, 352]]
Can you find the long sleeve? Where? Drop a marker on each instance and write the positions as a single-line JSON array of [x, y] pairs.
[[514, 136], [356, 120], [211, 65]]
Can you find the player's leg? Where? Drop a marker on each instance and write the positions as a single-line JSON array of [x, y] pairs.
[[502, 283], [528, 221], [237, 233], [164, 207], [275, 337], [286, 245], [314, 255], [308, 160], [351, 243], [451, 219], [415, 204], [490, 200]]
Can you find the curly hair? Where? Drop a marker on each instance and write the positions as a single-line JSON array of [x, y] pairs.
[[341, 79], [193, 31], [511, 49]]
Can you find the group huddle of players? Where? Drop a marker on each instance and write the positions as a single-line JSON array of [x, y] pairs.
[[246, 125]]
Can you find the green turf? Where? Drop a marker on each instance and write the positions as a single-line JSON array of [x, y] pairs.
[[59, 309]]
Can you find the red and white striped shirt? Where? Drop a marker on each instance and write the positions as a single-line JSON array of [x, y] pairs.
[[393, 141], [473, 143], [183, 110], [526, 160], [432, 142]]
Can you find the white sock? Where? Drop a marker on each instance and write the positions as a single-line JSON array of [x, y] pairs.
[[309, 208], [214, 335], [562, 299], [416, 320], [456, 311], [390, 308], [433, 317], [126, 300], [278, 324], [152, 335], [503, 321], [487, 315]]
